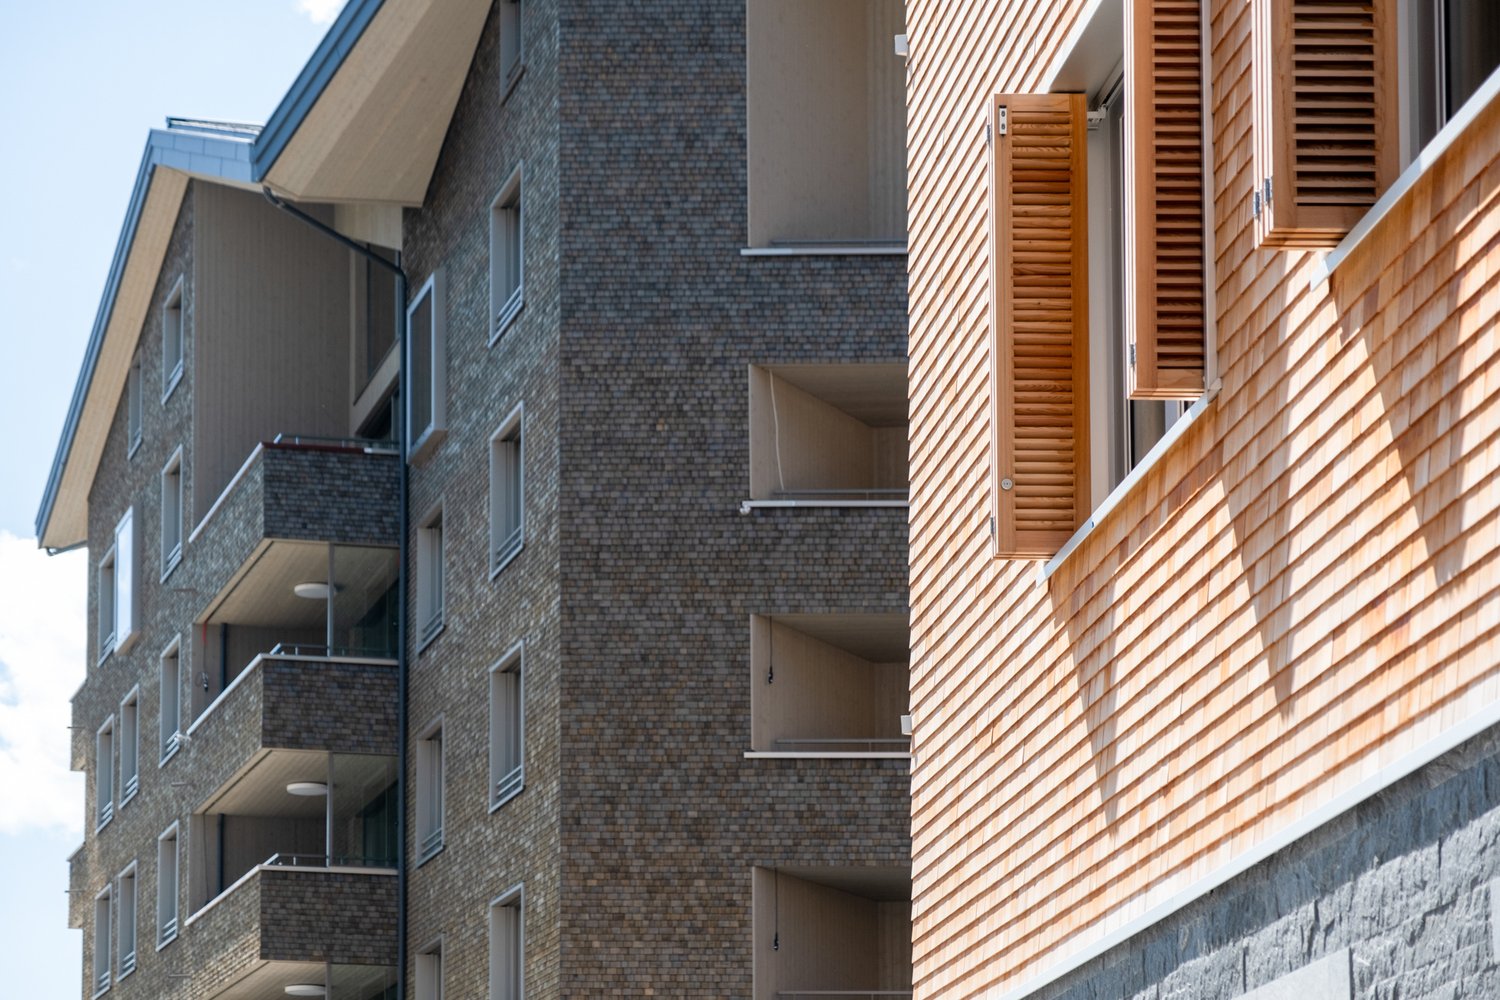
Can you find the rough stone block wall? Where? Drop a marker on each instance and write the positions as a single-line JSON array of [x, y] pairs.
[[1403, 882], [339, 707], [338, 917], [345, 497]]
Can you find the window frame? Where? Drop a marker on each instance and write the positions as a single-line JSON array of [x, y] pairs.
[[165, 936], [134, 407], [172, 472], [430, 581], [104, 770], [173, 367], [130, 743], [506, 446], [107, 570], [507, 710], [507, 241], [127, 960], [168, 743], [510, 24], [124, 557], [428, 975], [512, 898], [421, 441], [104, 942], [431, 794]]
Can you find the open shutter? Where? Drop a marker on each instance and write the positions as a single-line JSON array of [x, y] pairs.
[[1326, 108], [1164, 255], [1038, 215]]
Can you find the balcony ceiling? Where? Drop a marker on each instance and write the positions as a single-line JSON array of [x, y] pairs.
[[261, 593], [877, 638], [261, 789], [269, 980], [883, 884], [872, 394]]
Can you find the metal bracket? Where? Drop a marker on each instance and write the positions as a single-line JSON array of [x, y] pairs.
[[1255, 204], [1095, 119], [1002, 117]]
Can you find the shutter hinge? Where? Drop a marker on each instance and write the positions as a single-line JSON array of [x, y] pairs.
[[992, 527], [1255, 204], [1268, 191], [988, 139], [1004, 120], [1095, 119], [1261, 198]]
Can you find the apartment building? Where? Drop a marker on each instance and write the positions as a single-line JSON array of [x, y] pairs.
[[1205, 680], [493, 472]]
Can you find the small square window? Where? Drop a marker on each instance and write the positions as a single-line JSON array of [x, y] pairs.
[[507, 947], [171, 699], [102, 941], [507, 508], [130, 746], [167, 888], [430, 579], [507, 729], [127, 921], [104, 773], [510, 45], [133, 407], [173, 334], [506, 260], [430, 972], [171, 514], [430, 792], [427, 362]]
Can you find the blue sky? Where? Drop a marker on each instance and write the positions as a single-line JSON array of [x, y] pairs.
[[83, 83]]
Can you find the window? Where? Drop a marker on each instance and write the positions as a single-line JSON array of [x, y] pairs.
[[427, 362], [507, 947], [102, 939], [171, 699], [826, 123], [507, 508], [166, 886], [1098, 309], [130, 746], [430, 972], [1452, 46], [430, 578], [510, 45], [506, 265], [374, 315], [828, 433], [127, 921], [430, 792], [133, 407], [173, 333], [507, 729], [171, 514], [104, 773], [118, 620]]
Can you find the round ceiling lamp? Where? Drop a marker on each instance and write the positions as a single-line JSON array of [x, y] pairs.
[[314, 590], [306, 990], [308, 788]]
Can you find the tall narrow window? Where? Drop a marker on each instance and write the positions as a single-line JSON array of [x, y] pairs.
[[507, 947], [130, 746], [430, 792], [171, 514], [430, 579], [107, 583], [102, 939], [171, 699], [172, 337], [127, 921], [427, 361], [510, 44], [507, 511], [119, 618], [104, 773], [166, 886], [506, 267], [507, 735], [430, 972], [133, 407]]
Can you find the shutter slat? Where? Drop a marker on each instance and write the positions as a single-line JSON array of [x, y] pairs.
[[1164, 257], [1040, 334]]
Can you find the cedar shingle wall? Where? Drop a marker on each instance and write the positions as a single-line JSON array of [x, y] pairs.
[[1302, 592]]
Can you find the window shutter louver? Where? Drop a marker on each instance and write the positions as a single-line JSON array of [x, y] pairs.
[[1040, 339], [1164, 252], [1327, 142]]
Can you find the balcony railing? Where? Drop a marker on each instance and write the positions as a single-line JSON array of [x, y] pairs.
[[106, 813], [101, 982], [874, 743], [367, 445], [510, 784], [171, 745], [431, 843], [132, 785], [168, 930], [869, 994], [280, 860], [127, 963]]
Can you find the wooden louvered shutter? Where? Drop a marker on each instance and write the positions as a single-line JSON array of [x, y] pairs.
[[1164, 246], [1325, 102], [1040, 283]]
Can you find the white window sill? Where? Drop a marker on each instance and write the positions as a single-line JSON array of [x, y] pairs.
[[100, 826], [169, 754], [1419, 166], [501, 800], [827, 755], [173, 561], [166, 941], [431, 637], [508, 557], [172, 381], [134, 446], [429, 855], [1153, 457], [828, 250], [746, 506], [127, 799]]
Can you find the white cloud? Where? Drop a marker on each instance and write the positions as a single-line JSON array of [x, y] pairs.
[[42, 638], [320, 11]]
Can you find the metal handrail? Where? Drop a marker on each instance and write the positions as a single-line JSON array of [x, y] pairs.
[[885, 491], [317, 650], [869, 742], [369, 445], [432, 842], [843, 993], [510, 783]]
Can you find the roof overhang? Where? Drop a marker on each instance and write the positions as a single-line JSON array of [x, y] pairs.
[[366, 119]]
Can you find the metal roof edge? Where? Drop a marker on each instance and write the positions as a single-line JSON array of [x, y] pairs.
[[310, 83]]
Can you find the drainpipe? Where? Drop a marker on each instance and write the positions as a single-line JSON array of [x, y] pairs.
[[398, 420]]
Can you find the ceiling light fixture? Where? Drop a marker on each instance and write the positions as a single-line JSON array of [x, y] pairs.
[[315, 590], [307, 788], [306, 990]]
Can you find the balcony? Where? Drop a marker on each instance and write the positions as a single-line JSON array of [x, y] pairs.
[[297, 920]]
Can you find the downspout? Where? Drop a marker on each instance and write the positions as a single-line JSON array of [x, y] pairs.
[[398, 420]]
